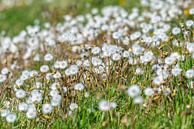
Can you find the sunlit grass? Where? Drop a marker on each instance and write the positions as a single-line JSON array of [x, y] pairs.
[[174, 111], [15, 19]]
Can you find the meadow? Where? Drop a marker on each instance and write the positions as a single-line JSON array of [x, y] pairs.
[[93, 64]]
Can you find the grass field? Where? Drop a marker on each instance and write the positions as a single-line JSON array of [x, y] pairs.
[[170, 106], [53, 12]]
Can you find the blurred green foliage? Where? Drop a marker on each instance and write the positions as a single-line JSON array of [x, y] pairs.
[[15, 19]]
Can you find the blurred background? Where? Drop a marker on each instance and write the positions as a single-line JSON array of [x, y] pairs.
[[15, 15]]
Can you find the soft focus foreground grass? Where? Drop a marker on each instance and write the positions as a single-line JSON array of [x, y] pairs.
[[170, 113], [15, 19]]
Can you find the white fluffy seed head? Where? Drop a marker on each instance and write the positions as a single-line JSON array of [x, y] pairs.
[[31, 113], [4, 112], [189, 74], [79, 86], [133, 91], [73, 106], [106, 105], [148, 91], [11, 118], [138, 100], [47, 108], [44, 68], [20, 94], [22, 106]]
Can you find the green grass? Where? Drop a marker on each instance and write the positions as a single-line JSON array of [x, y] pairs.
[[15, 19], [171, 112]]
